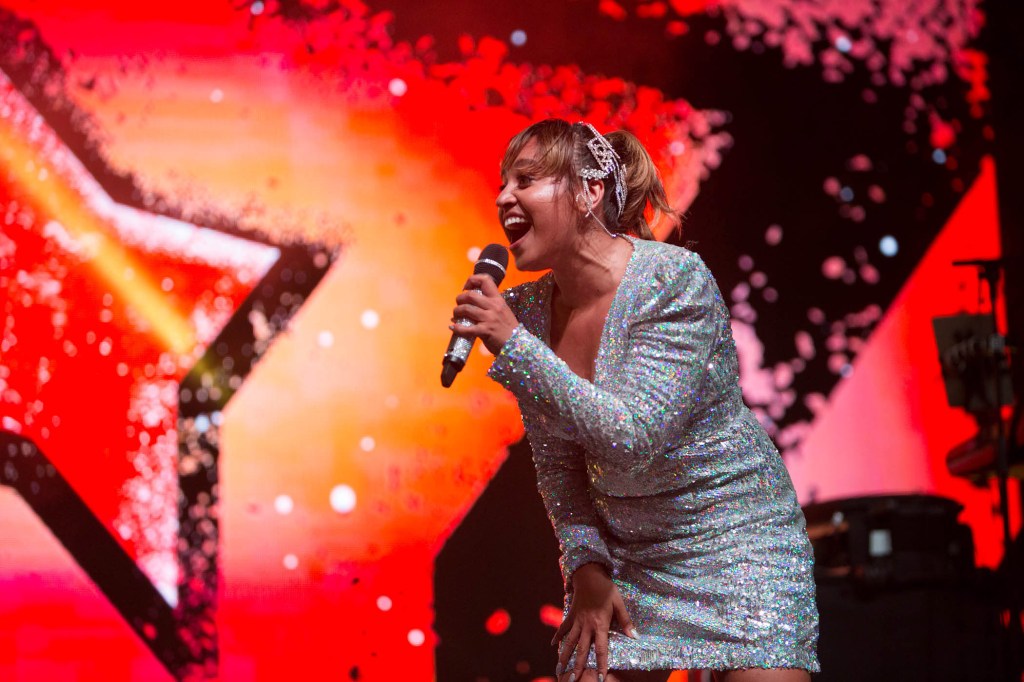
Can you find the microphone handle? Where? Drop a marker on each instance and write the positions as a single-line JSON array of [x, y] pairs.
[[458, 352], [460, 346]]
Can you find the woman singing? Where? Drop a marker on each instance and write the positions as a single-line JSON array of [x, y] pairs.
[[683, 546]]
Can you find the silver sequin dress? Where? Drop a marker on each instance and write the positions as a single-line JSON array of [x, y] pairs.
[[660, 472]]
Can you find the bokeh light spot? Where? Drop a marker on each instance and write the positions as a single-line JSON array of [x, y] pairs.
[[551, 615], [370, 319], [888, 245], [498, 622], [343, 499], [833, 267], [283, 504], [397, 87]]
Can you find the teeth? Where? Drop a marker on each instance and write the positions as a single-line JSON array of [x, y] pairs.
[[515, 220]]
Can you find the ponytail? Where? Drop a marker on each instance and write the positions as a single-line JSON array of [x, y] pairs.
[[643, 188]]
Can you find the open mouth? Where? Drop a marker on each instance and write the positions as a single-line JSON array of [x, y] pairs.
[[515, 229]]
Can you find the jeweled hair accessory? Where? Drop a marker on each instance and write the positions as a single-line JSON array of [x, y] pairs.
[[608, 163]]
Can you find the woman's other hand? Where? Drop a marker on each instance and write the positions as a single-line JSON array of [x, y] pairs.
[[595, 603], [483, 305]]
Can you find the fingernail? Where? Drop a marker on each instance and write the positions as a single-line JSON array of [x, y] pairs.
[[572, 677], [600, 677], [632, 633], [559, 669]]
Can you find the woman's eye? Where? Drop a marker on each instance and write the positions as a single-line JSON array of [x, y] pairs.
[[525, 180]]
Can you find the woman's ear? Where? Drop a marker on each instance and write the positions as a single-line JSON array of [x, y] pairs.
[[590, 198]]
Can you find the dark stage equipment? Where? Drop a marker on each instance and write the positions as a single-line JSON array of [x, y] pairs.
[[898, 592], [976, 364]]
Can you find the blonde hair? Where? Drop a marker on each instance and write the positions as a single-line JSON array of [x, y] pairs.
[[564, 153]]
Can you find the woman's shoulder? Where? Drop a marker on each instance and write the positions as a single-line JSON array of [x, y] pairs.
[[672, 277], [671, 262]]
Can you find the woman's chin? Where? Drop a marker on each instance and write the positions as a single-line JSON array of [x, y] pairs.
[[524, 263]]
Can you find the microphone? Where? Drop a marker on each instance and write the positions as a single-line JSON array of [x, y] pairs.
[[493, 261]]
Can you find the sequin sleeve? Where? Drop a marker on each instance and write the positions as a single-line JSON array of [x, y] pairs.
[[562, 481], [626, 426], [561, 475]]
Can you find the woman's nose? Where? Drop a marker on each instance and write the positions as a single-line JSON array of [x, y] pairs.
[[505, 197]]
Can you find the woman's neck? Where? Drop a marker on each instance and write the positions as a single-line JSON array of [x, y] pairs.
[[594, 270]]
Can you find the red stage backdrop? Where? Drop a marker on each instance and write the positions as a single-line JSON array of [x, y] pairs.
[[232, 233]]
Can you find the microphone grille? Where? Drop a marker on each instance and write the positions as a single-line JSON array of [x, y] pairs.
[[493, 261]]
